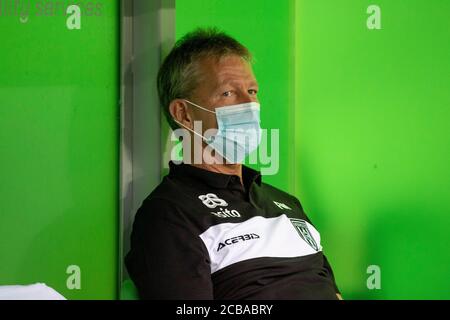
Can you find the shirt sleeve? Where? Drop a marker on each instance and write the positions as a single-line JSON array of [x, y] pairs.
[[167, 259]]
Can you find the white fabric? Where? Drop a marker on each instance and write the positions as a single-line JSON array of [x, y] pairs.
[[37, 291], [256, 237]]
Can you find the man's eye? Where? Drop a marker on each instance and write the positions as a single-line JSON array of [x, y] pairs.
[[227, 94], [253, 91]]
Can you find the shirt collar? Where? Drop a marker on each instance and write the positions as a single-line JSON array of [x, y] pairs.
[[214, 179]]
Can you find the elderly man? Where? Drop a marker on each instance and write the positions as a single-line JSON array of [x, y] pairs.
[[212, 229]]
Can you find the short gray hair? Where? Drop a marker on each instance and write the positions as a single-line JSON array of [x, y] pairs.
[[177, 76]]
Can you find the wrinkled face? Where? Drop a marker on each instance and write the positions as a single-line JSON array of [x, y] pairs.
[[221, 82]]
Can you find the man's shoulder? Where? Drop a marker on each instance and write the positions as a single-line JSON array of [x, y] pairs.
[[170, 198], [167, 193], [159, 205], [155, 211], [278, 195]]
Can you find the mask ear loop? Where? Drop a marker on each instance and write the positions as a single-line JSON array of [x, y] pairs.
[[198, 134], [198, 106]]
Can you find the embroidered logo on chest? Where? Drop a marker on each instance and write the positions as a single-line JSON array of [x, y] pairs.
[[211, 200], [303, 231]]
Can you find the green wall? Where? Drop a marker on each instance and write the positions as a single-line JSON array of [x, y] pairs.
[[59, 121], [363, 118]]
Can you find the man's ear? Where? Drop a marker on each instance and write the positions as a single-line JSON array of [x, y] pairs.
[[178, 111]]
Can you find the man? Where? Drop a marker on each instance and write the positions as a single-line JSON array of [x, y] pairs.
[[212, 229]]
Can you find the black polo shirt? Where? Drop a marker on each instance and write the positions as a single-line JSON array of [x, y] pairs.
[[203, 235]]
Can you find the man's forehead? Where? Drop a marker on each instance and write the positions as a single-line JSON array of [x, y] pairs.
[[237, 80], [227, 69]]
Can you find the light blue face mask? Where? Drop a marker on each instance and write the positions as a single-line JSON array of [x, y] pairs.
[[238, 133]]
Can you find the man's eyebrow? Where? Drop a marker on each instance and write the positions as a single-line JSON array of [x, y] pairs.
[[253, 83], [222, 83]]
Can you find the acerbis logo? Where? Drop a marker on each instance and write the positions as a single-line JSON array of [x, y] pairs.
[[237, 239], [211, 200]]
